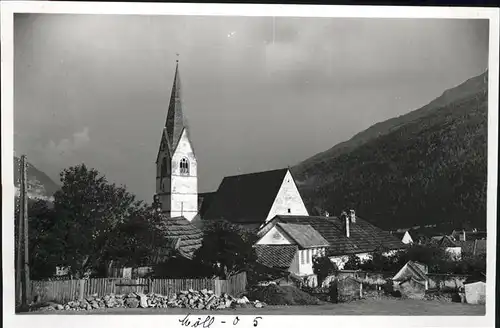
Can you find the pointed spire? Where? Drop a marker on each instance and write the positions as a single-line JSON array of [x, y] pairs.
[[175, 120]]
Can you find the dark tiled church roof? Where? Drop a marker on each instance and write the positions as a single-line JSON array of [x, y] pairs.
[[245, 198], [364, 237], [174, 124], [276, 256], [204, 200]]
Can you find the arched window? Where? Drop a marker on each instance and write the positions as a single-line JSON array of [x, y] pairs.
[[164, 168], [184, 165]]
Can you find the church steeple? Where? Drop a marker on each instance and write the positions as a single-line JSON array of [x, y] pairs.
[[174, 125], [176, 164]]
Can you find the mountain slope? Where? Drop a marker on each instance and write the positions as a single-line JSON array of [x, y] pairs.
[[426, 167], [39, 184], [463, 91]]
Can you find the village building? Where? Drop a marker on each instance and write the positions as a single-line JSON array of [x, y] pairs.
[[291, 247], [473, 247], [462, 235], [176, 164], [345, 236], [267, 202], [411, 280], [404, 236], [450, 246], [251, 200]]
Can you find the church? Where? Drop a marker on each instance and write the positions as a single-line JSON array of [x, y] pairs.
[[268, 203], [248, 199]]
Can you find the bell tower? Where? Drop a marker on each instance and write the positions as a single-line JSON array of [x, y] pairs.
[[176, 165]]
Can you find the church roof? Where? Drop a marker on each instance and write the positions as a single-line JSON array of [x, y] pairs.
[[245, 198], [174, 125], [181, 235], [364, 237]]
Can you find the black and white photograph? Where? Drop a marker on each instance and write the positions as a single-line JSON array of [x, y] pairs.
[[248, 165]]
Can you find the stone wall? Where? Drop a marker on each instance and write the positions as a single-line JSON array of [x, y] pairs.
[[446, 281]]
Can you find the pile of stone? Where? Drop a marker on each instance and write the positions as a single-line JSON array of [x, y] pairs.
[[191, 299]]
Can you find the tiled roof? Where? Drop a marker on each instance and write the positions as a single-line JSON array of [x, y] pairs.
[[446, 241], [204, 200], [398, 235], [276, 256], [413, 270], [304, 235], [180, 228], [245, 198], [364, 237], [174, 124]]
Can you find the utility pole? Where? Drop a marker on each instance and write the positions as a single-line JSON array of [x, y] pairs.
[[24, 216], [20, 224]]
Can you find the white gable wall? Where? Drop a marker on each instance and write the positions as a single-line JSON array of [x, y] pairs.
[[275, 237], [288, 200], [407, 238], [184, 188], [454, 252], [305, 257]]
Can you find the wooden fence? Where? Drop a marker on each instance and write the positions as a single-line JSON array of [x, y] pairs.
[[68, 290]]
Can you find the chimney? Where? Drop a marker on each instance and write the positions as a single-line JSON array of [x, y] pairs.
[[344, 217], [353, 216]]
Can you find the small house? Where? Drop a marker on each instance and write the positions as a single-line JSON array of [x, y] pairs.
[[475, 293], [291, 247], [404, 236], [463, 235], [411, 280], [346, 235], [448, 243]]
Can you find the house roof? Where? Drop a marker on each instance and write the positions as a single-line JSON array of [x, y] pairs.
[[304, 235], [399, 235], [364, 237], [411, 270], [469, 235], [447, 241], [245, 198], [276, 256], [182, 235]]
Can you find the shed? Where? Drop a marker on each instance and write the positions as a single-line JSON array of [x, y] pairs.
[[349, 289], [475, 293]]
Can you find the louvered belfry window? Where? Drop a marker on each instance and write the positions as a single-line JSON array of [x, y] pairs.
[[184, 165]]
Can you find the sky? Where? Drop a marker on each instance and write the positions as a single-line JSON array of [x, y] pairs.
[[259, 93]]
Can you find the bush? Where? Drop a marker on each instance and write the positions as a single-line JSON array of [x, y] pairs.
[[353, 263], [396, 293], [323, 267], [282, 295]]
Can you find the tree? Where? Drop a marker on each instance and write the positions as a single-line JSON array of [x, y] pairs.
[[353, 263], [43, 247], [89, 211], [226, 248], [323, 267]]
